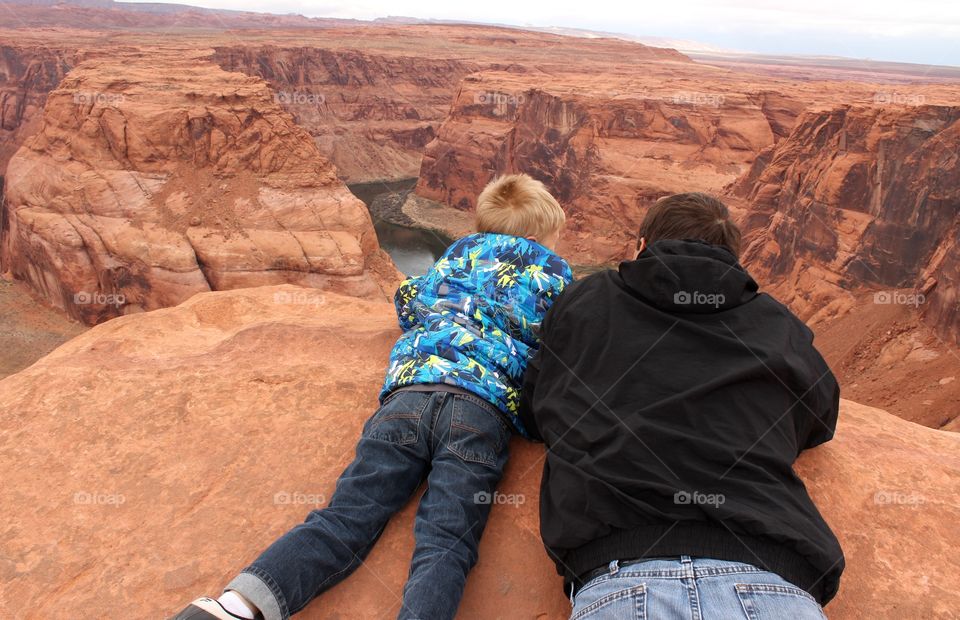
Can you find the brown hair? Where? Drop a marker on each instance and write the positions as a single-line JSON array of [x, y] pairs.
[[518, 205], [690, 216]]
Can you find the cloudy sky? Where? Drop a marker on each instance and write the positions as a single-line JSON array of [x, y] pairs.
[[921, 31]]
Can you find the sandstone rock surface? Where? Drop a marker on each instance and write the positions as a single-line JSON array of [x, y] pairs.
[[157, 175], [147, 460]]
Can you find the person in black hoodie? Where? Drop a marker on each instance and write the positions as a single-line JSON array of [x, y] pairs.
[[673, 399]]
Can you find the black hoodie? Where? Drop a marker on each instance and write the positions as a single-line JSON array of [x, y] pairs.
[[674, 399]]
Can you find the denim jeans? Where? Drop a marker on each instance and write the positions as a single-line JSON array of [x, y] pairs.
[[685, 588], [458, 444]]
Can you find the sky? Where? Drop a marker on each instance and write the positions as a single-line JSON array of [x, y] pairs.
[[919, 31]]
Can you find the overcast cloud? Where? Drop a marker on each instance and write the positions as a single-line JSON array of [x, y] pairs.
[[922, 31]]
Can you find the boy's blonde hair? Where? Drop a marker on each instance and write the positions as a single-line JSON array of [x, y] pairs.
[[518, 205]]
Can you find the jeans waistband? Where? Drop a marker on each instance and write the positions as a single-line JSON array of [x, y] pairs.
[[434, 387], [605, 570], [688, 567], [428, 388]]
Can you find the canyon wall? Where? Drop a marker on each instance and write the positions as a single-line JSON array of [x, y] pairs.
[[27, 73], [167, 449], [373, 97], [156, 175], [370, 113], [607, 148], [859, 197], [834, 200]]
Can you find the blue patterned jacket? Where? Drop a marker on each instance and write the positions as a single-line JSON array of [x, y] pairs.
[[473, 321]]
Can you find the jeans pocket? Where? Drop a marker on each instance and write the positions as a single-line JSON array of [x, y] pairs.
[[769, 601], [398, 420], [601, 604], [477, 434]]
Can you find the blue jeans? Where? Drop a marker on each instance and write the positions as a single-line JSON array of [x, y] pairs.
[[458, 444], [685, 588]]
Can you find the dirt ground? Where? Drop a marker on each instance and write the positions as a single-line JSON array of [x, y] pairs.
[[29, 328], [886, 357]]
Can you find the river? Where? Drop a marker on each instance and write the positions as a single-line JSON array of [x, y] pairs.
[[414, 250]]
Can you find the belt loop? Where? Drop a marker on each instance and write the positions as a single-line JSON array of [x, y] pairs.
[[613, 567], [687, 563]]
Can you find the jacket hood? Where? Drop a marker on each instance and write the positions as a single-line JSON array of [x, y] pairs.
[[688, 276]]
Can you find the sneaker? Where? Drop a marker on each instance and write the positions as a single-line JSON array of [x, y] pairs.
[[205, 609]]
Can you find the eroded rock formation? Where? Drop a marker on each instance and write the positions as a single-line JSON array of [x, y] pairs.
[[860, 197], [157, 175], [150, 458], [608, 145], [373, 97], [27, 73], [370, 113], [606, 150]]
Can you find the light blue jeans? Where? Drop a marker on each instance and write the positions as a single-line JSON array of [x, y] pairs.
[[692, 589]]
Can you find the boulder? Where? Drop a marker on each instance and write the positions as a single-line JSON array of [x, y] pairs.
[[147, 460]]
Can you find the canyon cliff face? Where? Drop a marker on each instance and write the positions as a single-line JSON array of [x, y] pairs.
[[373, 97], [157, 175], [371, 114], [859, 198], [608, 143], [609, 137], [606, 148], [27, 73], [167, 449]]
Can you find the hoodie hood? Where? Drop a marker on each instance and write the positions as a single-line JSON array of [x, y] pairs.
[[688, 276]]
